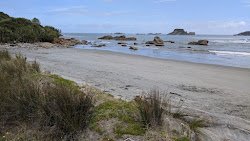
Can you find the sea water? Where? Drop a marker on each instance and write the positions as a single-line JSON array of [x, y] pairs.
[[224, 50]]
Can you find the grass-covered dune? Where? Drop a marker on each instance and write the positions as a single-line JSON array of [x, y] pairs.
[[24, 30]]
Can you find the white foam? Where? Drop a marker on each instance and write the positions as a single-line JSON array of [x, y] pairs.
[[243, 41], [230, 53]]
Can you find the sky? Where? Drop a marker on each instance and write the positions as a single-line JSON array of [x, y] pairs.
[[224, 17]]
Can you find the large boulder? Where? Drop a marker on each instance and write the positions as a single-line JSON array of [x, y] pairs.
[[193, 43], [124, 38], [106, 37], [120, 37], [203, 42], [158, 40], [200, 42]]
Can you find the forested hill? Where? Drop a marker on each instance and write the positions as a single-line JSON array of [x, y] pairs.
[[24, 30]]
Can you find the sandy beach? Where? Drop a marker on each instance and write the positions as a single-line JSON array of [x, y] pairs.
[[212, 88], [219, 94]]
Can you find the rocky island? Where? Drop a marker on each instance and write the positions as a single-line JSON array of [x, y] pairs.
[[247, 33], [181, 32], [108, 37]]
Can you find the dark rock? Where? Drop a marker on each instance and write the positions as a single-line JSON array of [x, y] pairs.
[[121, 42], [64, 41], [106, 37], [147, 45], [188, 47], [159, 45], [124, 45], [135, 43], [124, 38], [203, 42], [247, 33], [157, 41], [200, 42], [133, 48], [181, 32], [193, 43], [120, 37]]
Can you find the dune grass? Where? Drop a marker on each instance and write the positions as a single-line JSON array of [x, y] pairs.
[[41, 102], [152, 107]]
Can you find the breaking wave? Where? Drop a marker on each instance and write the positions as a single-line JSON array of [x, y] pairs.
[[230, 53]]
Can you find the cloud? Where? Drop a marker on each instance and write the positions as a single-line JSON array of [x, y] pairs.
[[218, 27], [74, 10], [82, 11], [247, 3], [160, 1]]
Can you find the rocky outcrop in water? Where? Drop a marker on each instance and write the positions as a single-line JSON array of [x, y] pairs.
[[108, 37], [69, 42], [181, 32], [157, 41], [200, 42], [247, 33]]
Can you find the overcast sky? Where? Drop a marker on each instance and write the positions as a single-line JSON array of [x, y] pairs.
[[135, 16]]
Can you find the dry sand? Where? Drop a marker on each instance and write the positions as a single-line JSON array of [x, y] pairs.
[[221, 91]]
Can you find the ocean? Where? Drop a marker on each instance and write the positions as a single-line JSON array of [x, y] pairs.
[[226, 50]]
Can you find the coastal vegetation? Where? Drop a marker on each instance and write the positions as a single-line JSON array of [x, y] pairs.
[[24, 30], [41, 106]]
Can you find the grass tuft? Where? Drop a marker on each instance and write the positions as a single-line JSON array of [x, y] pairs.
[[197, 123], [152, 107]]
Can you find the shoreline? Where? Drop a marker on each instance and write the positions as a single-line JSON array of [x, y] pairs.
[[215, 65]]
